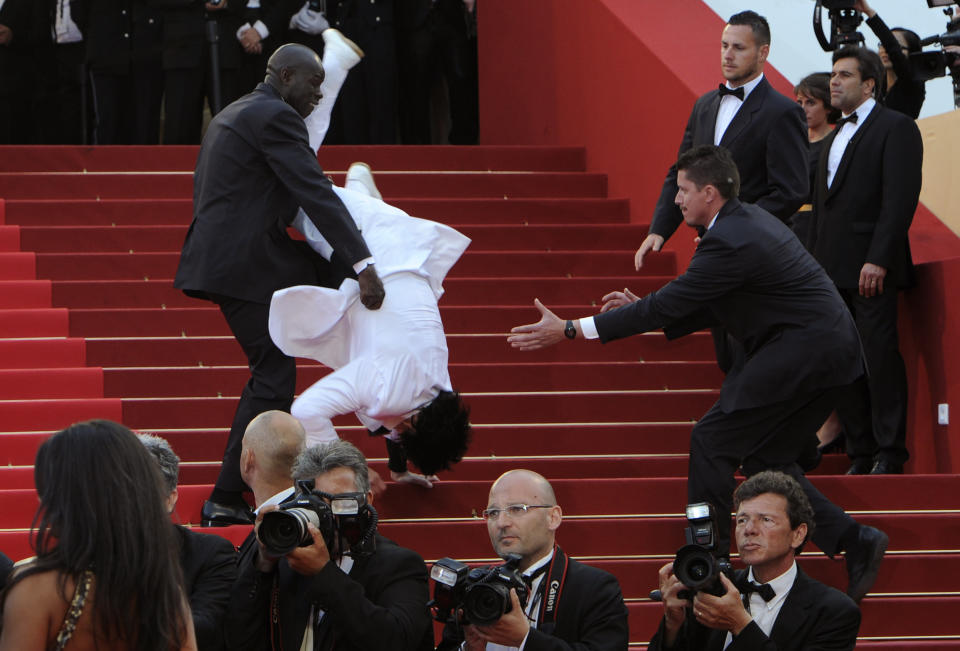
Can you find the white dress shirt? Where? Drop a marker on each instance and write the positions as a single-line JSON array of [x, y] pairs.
[[764, 613], [843, 137], [729, 105]]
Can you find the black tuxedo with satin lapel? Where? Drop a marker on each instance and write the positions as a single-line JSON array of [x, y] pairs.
[[751, 276], [380, 604], [863, 217], [814, 617], [768, 141]]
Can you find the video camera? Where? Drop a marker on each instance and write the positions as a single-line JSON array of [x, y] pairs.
[[844, 20], [932, 64], [478, 596], [342, 517]]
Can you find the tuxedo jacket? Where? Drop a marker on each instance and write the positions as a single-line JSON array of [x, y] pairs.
[[380, 604], [865, 213], [750, 275], [814, 617], [590, 616], [768, 141], [254, 169], [209, 570]]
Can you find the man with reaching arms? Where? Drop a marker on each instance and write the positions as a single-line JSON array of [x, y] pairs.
[[571, 605], [751, 276], [781, 608]]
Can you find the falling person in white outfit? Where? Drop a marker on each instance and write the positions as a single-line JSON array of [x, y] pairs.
[[390, 366]]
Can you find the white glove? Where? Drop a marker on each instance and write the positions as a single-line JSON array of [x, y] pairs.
[[309, 22]]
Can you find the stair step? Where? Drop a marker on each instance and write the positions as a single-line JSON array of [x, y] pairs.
[[25, 294], [514, 210], [42, 353], [34, 322], [173, 185], [18, 265], [333, 157], [160, 265], [34, 383]]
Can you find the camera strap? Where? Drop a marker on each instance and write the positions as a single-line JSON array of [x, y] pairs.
[[550, 590]]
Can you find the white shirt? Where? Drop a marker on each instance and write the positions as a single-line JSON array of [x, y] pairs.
[[843, 137], [765, 613], [729, 105], [64, 29], [533, 604], [390, 361], [316, 614]]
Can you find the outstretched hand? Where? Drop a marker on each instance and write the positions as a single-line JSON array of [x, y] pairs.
[[371, 288], [653, 242], [534, 336], [613, 300]]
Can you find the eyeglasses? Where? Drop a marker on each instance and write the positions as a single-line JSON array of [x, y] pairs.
[[513, 511]]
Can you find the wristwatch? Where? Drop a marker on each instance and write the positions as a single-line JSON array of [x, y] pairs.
[[569, 331]]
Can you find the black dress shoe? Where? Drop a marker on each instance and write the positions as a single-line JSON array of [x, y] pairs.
[[863, 560], [222, 515], [886, 467], [861, 466]]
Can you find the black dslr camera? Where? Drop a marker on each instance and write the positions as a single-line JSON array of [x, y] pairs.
[[346, 517], [482, 594], [696, 564], [844, 20]]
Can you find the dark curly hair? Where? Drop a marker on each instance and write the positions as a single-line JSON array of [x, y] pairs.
[[779, 483], [439, 433]]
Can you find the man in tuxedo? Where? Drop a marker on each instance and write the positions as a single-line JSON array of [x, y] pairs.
[[254, 169], [765, 132], [867, 189], [781, 607], [209, 562], [571, 605], [323, 597], [751, 276]]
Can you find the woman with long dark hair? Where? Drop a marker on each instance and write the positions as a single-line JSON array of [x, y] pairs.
[[106, 574], [902, 92]]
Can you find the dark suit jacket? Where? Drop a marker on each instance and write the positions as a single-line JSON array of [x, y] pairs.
[[814, 617], [184, 33], [209, 571], [768, 141], [254, 169], [752, 276], [591, 616], [381, 604], [866, 212]]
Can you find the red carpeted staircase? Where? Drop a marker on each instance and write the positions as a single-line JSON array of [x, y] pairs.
[[90, 326]]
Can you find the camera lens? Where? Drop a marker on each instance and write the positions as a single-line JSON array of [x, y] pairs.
[[283, 531], [694, 566], [484, 603]]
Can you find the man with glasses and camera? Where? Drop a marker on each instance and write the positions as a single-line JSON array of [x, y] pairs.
[[522, 519], [772, 604], [317, 576]]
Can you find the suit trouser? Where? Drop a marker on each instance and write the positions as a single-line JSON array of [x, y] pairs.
[[885, 434], [272, 382], [771, 437]]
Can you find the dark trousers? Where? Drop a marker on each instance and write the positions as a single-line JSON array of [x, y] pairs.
[[438, 48], [884, 435], [185, 89], [126, 108], [772, 437], [272, 382], [366, 109]]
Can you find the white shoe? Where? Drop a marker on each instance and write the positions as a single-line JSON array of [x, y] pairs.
[[341, 47], [360, 174]]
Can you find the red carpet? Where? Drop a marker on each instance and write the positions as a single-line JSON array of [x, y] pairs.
[[91, 327]]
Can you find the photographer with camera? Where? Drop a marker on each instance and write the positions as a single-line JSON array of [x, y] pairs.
[[903, 93], [781, 607], [570, 605], [318, 576]]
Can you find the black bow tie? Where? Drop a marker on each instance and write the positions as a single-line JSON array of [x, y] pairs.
[[736, 92], [852, 119], [765, 590]]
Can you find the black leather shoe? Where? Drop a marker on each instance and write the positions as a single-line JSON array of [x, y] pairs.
[[221, 515], [863, 560], [886, 467], [861, 466]]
